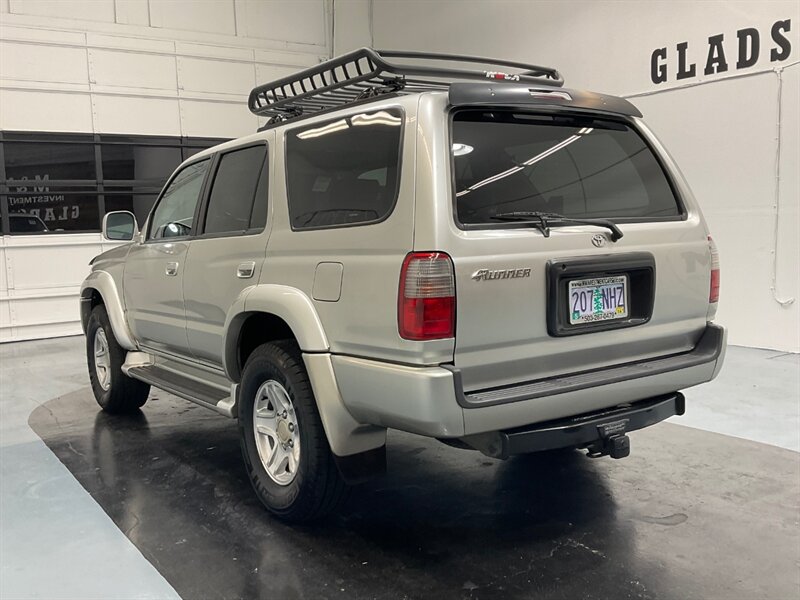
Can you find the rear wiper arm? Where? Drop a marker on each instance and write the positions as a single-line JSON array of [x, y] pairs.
[[540, 221], [543, 221]]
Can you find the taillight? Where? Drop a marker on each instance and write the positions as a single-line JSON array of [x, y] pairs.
[[713, 292], [426, 306]]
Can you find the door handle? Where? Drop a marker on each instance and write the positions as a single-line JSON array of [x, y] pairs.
[[245, 270], [171, 269]]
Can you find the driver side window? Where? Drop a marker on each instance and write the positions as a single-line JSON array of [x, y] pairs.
[[174, 214]]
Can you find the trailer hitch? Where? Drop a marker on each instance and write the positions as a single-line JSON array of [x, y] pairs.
[[612, 441]]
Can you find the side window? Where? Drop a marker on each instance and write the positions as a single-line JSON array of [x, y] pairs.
[[238, 200], [174, 214], [344, 172]]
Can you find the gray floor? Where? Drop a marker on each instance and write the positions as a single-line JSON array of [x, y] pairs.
[[56, 542], [756, 397]]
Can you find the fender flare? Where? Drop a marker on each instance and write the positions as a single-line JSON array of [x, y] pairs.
[[346, 436], [103, 283], [290, 304]]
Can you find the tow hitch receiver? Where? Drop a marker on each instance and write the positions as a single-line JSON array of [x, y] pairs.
[[613, 442]]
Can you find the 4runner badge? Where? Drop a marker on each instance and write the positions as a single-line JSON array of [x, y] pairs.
[[487, 275]]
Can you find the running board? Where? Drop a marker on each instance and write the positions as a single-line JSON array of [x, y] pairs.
[[187, 388]]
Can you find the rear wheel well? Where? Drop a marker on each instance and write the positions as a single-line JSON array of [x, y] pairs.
[[260, 328]]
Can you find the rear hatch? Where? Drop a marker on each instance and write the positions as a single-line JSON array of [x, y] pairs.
[[539, 295]]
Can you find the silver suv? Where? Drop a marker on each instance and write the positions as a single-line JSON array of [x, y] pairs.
[[481, 257]]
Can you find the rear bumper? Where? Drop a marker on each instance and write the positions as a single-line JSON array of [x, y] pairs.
[[707, 350], [430, 400]]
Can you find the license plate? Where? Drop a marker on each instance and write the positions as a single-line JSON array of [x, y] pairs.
[[598, 299]]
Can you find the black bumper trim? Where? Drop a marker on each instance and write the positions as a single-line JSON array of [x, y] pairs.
[[583, 430], [707, 350]]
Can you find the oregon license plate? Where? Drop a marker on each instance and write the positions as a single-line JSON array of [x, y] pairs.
[[598, 299]]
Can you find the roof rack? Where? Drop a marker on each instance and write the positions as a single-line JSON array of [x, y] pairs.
[[365, 73]]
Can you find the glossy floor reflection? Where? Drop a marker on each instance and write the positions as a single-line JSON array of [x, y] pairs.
[[690, 514]]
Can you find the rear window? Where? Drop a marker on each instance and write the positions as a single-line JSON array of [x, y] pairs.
[[575, 166], [345, 171]]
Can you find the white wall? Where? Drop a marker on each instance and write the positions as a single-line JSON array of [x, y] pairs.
[[157, 67], [722, 128], [154, 67], [40, 283], [183, 67]]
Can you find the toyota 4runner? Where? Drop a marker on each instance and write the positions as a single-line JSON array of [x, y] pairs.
[[482, 257]]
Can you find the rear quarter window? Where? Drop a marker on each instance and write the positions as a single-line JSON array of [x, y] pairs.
[[576, 166], [344, 172], [235, 192]]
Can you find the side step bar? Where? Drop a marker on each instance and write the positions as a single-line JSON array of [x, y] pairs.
[[187, 388]]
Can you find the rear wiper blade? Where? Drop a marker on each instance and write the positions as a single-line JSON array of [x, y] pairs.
[[544, 220], [527, 217]]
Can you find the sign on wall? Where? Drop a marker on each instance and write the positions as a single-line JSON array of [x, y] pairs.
[[57, 210], [722, 55], [31, 170]]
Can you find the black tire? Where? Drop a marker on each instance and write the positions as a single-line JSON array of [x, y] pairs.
[[317, 488], [123, 394]]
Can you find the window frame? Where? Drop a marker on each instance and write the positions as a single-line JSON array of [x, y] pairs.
[[100, 186], [206, 199], [628, 122], [26, 137], [338, 117], [132, 141], [201, 195]]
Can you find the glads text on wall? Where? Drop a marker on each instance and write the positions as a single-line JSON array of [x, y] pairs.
[[748, 52]]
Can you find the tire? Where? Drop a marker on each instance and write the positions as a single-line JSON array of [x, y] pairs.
[[114, 391], [308, 486]]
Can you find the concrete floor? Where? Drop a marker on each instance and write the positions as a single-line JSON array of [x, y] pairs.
[[93, 507], [55, 540]]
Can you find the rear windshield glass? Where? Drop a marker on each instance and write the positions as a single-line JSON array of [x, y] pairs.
[[344, 172], [574, 166]]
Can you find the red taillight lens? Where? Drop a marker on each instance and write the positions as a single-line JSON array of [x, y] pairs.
[[713, 293], [426, 307]]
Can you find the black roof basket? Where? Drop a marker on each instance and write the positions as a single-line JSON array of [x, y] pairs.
[[366, 73]]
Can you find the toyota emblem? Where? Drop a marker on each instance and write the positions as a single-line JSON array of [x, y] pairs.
[[598, 240]]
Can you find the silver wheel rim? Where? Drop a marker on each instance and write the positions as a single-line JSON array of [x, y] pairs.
[[102, 360], [277, 432]]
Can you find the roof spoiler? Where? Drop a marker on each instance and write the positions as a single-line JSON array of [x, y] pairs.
[[475, 94]]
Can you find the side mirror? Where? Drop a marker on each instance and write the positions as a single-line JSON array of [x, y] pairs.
[[120, 226]]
